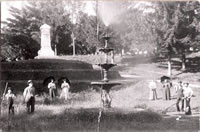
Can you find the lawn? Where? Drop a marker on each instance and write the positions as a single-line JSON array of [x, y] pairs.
[[131, 109]]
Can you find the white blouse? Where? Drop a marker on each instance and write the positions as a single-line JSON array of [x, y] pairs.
[[65, 85]]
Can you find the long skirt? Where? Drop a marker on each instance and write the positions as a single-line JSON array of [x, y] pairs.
[[64, 93], [167, 93], [52, 93]]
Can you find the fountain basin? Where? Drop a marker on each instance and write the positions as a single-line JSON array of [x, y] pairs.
[[107, 66], [105, 85], [106, 37], [106, 50], [105, 89]]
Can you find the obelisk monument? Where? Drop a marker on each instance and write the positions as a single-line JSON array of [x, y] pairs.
[[45, 49]]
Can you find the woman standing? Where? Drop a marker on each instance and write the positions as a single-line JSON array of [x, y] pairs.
[[167, 93], [65, 89]]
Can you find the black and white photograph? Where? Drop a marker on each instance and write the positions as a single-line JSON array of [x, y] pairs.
[[100, 66]]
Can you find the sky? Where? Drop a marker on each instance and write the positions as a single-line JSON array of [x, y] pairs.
[[5, 6], [107, 18], [18, 4]]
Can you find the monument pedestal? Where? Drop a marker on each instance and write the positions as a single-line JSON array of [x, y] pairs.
[[45, 53]]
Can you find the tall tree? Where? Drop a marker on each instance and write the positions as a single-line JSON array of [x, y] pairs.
[[176, 28]]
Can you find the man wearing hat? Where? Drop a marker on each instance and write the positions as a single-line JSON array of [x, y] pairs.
[[188, 92], [29, 96], [52, 87], [180, 96]]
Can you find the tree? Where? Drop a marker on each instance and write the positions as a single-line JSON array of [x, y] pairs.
[[176, 28], [135, 27], [24, 27]]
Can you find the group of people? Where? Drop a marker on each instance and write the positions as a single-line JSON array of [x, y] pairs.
[[166, 90], [183, 92], [64, 86], [29, 95]]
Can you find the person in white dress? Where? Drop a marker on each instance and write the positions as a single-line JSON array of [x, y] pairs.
[[65, 90]]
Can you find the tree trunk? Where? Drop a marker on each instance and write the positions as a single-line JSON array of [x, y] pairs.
[[183, 61], [169, 65], [74, 47], [55, 50]]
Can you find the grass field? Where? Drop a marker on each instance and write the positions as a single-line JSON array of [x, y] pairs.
[[131, 109]]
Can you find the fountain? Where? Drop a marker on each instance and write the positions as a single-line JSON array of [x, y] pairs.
[[105, 85]]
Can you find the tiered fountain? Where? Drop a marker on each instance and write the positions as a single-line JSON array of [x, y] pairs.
[[105, 85]]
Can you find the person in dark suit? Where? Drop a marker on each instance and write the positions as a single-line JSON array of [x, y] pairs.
[[180, 96]]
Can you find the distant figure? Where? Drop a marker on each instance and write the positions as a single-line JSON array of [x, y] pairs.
[[10, 99], [167, 85], [65, 90], [29, 97], [180, 96], [52, 87], [152, 88], [187, 92]]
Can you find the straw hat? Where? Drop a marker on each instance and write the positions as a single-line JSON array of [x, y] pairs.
[[29, 81]]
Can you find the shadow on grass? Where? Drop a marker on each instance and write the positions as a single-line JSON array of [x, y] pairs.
[[77, 120]]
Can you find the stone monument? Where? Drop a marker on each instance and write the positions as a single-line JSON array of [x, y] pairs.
[[45, 49]]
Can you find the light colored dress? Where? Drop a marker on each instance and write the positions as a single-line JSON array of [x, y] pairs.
[[65, 90]]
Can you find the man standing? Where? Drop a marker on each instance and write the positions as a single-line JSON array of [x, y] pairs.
[[52, 87], [180, 96], [152, 92], [187, 95], [29, 97]]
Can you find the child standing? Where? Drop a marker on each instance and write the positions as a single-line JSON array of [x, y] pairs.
[[10, 98]]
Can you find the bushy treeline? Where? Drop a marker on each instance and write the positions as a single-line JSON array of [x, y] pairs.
[[165, 27]]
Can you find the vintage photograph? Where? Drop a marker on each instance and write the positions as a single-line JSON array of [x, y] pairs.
[[100, 66]]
